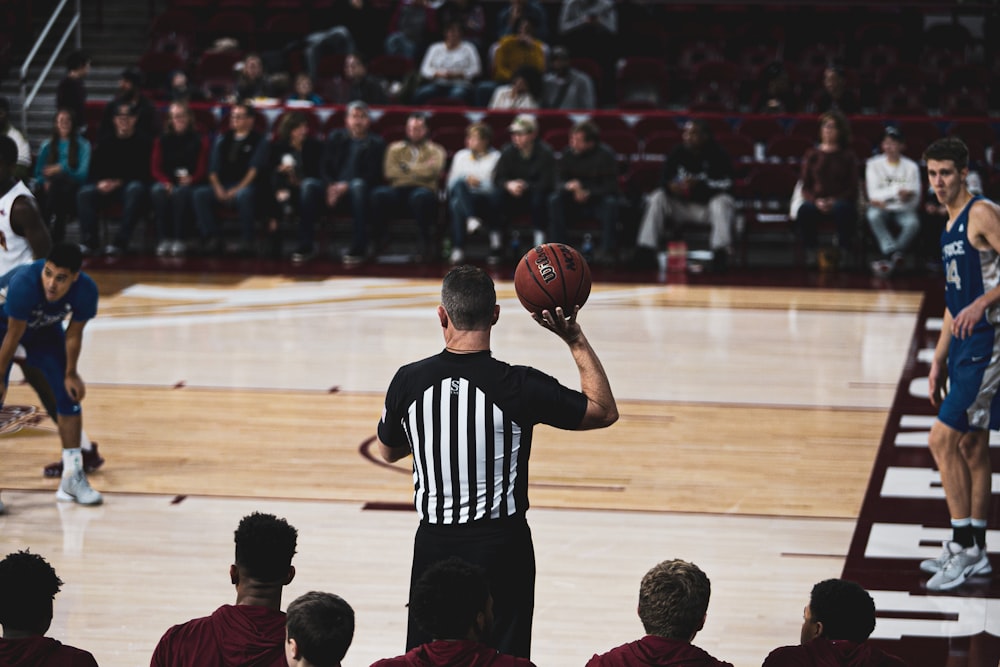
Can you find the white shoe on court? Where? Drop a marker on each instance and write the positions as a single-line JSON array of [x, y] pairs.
[[76, 488], [933, 565], [961, 564]]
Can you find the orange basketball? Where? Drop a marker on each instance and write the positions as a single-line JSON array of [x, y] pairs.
[[551, 275]]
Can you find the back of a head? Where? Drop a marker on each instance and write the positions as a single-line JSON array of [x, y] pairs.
[[673, 600], [322, 625], [76, 59], [447, 598], [265, 545], [66, 255], [28, 585], [469, 297], [948, 148], [845, 609], [8, 151]]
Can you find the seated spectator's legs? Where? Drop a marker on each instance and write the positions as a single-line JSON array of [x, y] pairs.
[[844, 214], [397, 44], [423, 203], [606, 210], [203, 200], [318, 44], [311, 198], [538, 206], [484, 93], [162, 209], [182, 203], [879, 220], [87, 204], [245, 206], [384, 200], [721, 214], [358, 198], [808, 219], [133, 195], [651, 228], [460, 204], [59, 204]]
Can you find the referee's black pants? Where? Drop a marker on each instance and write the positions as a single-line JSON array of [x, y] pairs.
[[502, 547]]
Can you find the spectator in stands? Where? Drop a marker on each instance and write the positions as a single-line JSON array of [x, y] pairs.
[[251, 631], [587, 187], [251, 79], [120, 175], [28, 587], [695, 188], [449, 68], [590, 27], [237, 157], [353, 160], [509, 55], [829, 190], [524, 179], [774, 92], [179, 164], [71, 93], [470, 187], [303, 91], [471, 15], [294, 168], [319, 630], [835, 94], [63, 165], [412, 169], [410, 29], [23, 168], [893, 186], [836, 625], [673, 606], [509, 17], [130, 93], [523, 92], [180, 89], [357, 85], [565, 87], [332, 41]]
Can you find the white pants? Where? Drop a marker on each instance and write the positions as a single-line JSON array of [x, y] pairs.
[[719, 213]]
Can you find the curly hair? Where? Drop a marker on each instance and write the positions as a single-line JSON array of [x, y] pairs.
[[949, 148], [673, 600], [845, 609], [447, 597], [28, 585], [265, 545]]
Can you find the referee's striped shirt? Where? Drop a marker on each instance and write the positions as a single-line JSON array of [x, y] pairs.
[[468, 420]]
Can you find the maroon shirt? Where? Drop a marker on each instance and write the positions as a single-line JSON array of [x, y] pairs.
[[822, 652], [653, 650], [830, 175], [42, 652], [244, 635], [457, 653]]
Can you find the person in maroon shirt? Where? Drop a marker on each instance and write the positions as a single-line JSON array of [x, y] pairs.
[[250, 633], [836, 625], [673, 605], [451, 602], [28, 585], [319, 630]]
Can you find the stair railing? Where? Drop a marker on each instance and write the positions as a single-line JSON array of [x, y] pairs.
[[27, 98]]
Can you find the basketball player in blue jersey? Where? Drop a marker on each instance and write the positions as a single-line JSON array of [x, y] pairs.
[[468, 418], [965, 373], [36, 298]]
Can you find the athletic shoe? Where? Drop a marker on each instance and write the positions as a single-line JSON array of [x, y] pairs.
[[473, 225], [882, 268], [353, 257], [111, 250], [164, 247], [961, 564], [178, 249], [91, 462], [457, 256], [75, 488], [303, 255]]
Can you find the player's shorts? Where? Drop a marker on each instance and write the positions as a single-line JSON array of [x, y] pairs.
[[973, 402], [45, 349]]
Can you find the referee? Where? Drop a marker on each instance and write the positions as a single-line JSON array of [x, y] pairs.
[[467, 418]]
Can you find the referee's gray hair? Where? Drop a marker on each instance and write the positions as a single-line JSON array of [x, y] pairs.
[[469, 297]]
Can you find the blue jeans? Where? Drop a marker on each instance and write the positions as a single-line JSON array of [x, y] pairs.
[[563, 207], [89, 202], [466, 202], [313, 200], [171, 209], [425, 92], [418, 201], [244, 203]]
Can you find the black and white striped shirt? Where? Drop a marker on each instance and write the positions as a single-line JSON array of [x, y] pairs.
[[468, 420]]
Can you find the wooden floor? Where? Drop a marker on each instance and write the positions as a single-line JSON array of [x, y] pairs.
[[750, 422]]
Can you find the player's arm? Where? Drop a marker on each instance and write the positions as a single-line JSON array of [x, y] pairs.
[[984, 231], [74, 343], [26, 221], [15, 330], [602, 410], [392, 454], [938, 378]]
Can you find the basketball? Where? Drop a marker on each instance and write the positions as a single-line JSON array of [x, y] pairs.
[[551, 275]]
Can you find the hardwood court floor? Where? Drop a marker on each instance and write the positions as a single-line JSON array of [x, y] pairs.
[[750, 418]]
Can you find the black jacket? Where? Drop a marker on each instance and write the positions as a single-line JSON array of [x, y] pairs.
[[368, 163]]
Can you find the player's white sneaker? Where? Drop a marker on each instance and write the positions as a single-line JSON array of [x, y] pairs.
[[933, 565], [76, 488], [961, 564]]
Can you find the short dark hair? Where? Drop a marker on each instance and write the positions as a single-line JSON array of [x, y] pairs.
[[66, 256], [447, 597], [673, 600], [588, 129], [265, 545], [469, 297], [948, 148], [76, 60], [8, 150], [251, 112], [845, 609], [322, 624], [28, 584]]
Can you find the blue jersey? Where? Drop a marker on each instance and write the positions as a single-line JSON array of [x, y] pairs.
[[23, 298], [972, 401]]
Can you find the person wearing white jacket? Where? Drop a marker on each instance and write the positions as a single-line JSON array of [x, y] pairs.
[[893, 185], [470, 182]]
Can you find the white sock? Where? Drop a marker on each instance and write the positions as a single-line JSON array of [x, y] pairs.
[[539, 237], [72, 461], [496, 240], [85, 443]]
